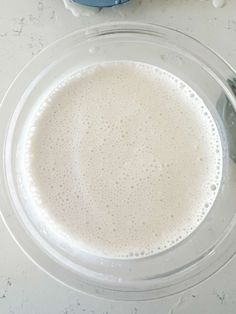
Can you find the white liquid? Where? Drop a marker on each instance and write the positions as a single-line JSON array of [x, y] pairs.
[[123, 160]]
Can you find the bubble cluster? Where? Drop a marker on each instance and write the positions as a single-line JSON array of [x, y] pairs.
[[124, 159]]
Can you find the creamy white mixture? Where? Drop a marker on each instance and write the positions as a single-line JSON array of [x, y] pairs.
[[124, 159]]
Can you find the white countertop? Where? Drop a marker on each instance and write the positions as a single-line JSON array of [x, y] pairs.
[[26, 27]]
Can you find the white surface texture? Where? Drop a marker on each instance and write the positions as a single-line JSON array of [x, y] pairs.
[[26, 27]]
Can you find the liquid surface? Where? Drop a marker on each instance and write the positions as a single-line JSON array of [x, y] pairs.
[[123, 159]]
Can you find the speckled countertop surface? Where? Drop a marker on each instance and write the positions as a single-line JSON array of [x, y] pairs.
[[26, 27]]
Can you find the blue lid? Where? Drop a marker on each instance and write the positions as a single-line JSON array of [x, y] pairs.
[[100, 3]]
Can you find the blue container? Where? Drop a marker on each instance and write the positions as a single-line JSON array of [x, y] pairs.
[[100, 3]]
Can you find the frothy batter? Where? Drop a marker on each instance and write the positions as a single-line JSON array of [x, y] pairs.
[[124, 159]]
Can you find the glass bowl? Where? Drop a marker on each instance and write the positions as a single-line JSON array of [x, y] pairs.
[[182, 266]]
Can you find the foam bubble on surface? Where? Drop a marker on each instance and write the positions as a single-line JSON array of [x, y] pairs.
[[124, 159]]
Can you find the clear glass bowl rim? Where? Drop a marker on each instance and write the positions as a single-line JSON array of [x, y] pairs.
[[226, 249]]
